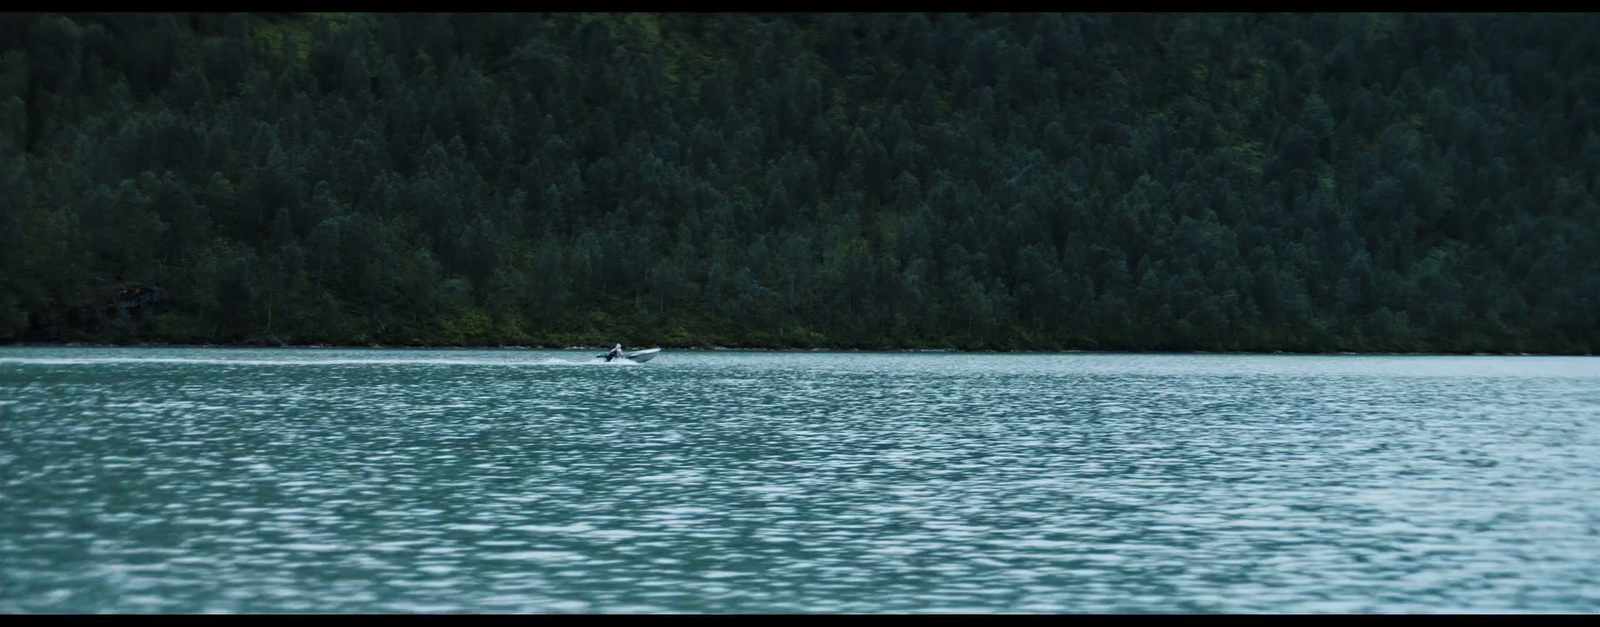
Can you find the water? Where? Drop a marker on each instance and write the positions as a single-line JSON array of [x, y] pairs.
[[216, 480]]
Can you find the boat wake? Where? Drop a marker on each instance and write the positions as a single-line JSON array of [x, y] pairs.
[[90, 361]]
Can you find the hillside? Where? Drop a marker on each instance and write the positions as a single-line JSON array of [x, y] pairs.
[[1134, 182]]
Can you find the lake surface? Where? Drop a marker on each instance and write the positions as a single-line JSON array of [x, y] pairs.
[[331, 480]]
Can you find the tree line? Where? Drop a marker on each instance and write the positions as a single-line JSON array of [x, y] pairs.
[[1363, 182]]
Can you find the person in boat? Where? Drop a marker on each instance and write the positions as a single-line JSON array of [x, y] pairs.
[[616, 351]]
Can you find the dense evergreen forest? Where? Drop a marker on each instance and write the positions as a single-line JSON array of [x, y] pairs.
[[1037, 181]]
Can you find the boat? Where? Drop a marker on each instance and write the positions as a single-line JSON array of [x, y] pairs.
[[642, 356], [638, 357]]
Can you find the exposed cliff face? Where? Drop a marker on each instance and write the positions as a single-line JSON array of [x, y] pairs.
[[115, 316]]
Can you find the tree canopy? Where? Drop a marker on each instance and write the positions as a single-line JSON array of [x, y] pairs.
[[1363, 182]]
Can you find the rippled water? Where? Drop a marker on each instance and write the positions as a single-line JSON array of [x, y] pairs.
[[201, 480]]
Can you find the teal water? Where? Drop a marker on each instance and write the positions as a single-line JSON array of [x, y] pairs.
[[323, 480]]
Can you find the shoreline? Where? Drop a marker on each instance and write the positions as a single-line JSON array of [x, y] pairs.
[[786, 349]]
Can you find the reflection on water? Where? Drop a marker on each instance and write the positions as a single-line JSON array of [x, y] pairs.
[[189, 480]]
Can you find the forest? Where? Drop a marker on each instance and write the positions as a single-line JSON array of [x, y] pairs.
[[1149, 182]]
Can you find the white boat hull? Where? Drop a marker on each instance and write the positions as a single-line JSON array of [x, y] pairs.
[[643, 356]]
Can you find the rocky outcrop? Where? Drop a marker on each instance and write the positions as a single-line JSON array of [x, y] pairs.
[[116, 314]]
